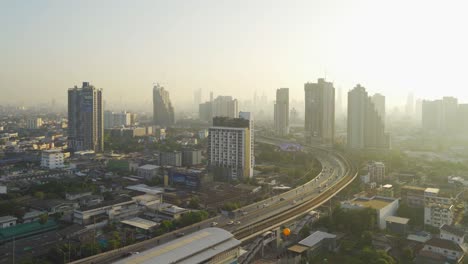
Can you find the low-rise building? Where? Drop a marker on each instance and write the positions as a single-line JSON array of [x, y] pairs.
[[312, 245], [452, 233], [173, 158], [7, 221], [397, 225], [52, 159], [384, 207], [148, 171], [191, 157], [184, 177], [438, 210], [112, 210], [437, 250]]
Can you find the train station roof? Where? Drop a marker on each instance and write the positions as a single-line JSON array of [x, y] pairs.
[[193, 248]]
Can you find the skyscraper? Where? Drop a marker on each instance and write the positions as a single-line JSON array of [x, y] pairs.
[[379, 103], [281, 115], [163, 112], [230, 147], [366, 128], [319, 113], [85, 118]]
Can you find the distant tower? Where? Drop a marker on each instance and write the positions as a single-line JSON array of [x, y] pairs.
[[366, 128], [163, 112], [211, 96], [379, 103], [339, 102], [85, 118], [281, 114], [410, 105], [319, 113], [197, 98]]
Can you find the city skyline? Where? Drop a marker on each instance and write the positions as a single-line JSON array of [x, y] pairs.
[[173, 50]]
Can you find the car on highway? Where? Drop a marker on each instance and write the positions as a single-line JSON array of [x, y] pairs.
[[238, 222], [180, 234], [214, 224], [230, 222]]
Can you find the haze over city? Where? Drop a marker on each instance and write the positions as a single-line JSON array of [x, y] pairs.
[[233, 132], [231, 47]]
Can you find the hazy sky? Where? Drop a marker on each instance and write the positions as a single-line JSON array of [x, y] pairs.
[[231, 47]]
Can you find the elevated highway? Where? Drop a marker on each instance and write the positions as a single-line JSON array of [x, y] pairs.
[[257, 218]]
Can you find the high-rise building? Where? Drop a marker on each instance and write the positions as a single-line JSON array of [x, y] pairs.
[[294, 115], [366, 128], [197, 97], [108, 119], [205, 111], [379, 103], [339, 102], [431, 115], [230, 147], [112, 119], [221, 106], [441, 115], [85, 118], [320, 111], [225, 106], [463, 118], [163, 112], [281, 114]]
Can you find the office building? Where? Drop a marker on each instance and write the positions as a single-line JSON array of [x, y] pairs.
[[163, 112], [366, 128], [320, 111], [85, 118], [34, 123], [281, 115], [230, 148]]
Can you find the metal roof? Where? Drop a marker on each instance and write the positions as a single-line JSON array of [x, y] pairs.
[[140, 223], [315, 238], [193, 248], [396, 219]]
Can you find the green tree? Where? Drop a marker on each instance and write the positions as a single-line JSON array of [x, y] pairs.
[[39, 195], [43, 218], [194, 203]]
